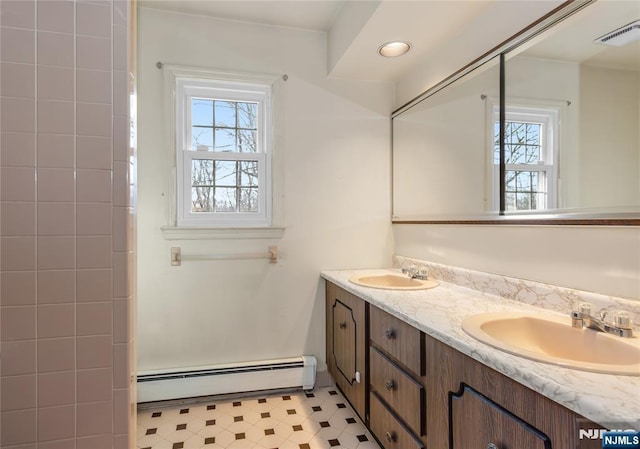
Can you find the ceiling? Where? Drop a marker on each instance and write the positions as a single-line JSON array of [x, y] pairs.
[[573, 40], [356, 28], [317, 15]]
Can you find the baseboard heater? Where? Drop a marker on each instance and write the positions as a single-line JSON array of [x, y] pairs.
[[160, 385]]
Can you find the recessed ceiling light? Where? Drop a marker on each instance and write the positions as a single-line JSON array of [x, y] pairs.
[[393, 49]]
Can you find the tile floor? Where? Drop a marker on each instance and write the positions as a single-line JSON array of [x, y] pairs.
[[318, 419]]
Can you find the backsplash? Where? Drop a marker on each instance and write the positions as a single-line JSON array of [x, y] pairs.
[[546, 296]]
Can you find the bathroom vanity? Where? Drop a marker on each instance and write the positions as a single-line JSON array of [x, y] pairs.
[[418, 380]]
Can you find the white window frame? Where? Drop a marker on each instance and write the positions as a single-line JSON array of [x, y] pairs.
[[549, 117], [224, 87]]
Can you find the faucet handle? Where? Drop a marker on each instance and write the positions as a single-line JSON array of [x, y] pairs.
[[409, 269], [622, 319], [584, 308]]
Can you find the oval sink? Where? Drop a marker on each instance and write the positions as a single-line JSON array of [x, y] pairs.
[[551, 339], [392, 282]]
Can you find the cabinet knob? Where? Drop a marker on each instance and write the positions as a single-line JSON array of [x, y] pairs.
[[343, 325], [492, 446], [390, 437], [390, 333], [389, 384]]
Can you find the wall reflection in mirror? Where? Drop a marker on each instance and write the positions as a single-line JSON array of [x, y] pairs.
[[441, 165], [572, 129]]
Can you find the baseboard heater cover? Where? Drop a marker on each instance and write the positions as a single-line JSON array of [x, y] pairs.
[[161, 385]]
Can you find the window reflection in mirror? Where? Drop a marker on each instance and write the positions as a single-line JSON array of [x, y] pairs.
[[531, 156], [572, 131], [594, 91]]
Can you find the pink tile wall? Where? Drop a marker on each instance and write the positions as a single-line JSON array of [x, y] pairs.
[[66, 225]]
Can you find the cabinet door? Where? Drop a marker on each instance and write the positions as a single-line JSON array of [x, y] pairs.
[[501, 411], [345, 315], [477, 422], [344, 341]]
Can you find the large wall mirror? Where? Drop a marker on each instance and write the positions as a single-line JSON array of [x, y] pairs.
[[570, 129]]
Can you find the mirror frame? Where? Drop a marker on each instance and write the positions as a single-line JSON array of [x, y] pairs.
[[554, 17]]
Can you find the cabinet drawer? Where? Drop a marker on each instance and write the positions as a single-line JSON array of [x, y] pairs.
[[389, 431], [402, 341], [402, 393]]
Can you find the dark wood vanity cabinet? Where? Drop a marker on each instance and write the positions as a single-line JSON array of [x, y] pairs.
[[346, 345], [414, 392], [473, 406]]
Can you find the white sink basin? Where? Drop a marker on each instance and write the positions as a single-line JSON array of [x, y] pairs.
[[392, 282], [551, 339]]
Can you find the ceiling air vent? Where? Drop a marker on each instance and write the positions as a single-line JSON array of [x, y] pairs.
[[621, 36]]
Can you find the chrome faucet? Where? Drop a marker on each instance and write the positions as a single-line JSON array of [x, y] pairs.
[[415, 273], [621, 325]]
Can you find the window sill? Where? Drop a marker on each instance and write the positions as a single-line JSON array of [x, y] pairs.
[[186, 233]]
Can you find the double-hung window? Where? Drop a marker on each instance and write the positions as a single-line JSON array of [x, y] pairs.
[[223, 138], [531, 154]]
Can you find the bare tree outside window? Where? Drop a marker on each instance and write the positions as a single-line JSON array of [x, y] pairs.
[[223, 185], [523, 144]]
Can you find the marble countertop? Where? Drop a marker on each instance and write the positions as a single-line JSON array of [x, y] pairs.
[[609, 400]]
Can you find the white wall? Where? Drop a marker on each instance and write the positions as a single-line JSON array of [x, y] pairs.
[[609, 140], [442, 155], [598, 259], [334, 156]]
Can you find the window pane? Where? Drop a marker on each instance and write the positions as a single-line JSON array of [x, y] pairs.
[[201, 139], [225, 199], [496, 143], [247, 142], [519, 133], [248, 115], [533, 133], [522, 143], [533, 142], [518, 154], [225, 114], [513, 154], [226, 173], [523, 181], [249, 200], [201, 172], [508, 131], [510, 201], [202, 199], [225, 139], [249, 173], [510, 180], [523, 201], [521, 191], [533, 154], [533, 180], [201, 112], [508, 153]]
